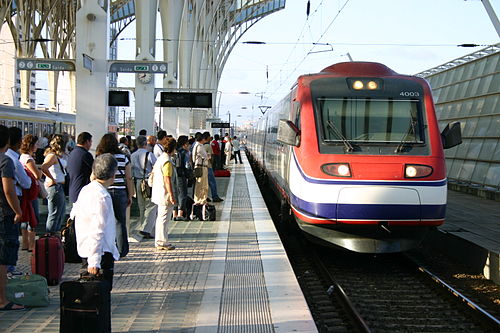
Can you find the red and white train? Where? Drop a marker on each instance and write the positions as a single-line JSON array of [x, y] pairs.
[[356, 155]]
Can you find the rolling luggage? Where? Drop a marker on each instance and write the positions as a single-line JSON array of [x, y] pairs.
[[85, 306], [222, 173], [204, 212], [48, 259], [68, 239]]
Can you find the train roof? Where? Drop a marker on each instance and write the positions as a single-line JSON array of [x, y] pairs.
[[359, 68], [23, 113]]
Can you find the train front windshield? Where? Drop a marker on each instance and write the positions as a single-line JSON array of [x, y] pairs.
[[368, 120]]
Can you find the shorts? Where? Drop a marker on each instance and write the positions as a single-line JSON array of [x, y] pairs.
[[9, 241]]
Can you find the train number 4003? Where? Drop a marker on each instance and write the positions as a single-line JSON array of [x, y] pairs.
[[410, 94]]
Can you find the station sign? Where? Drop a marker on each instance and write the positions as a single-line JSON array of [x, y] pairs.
[[186, 99], [34, 64], [220, 125], [154, 67]]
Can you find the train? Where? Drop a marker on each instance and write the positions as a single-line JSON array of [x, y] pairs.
[[355, 155], [37, 122]]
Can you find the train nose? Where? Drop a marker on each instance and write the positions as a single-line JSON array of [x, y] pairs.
[[383, 203]]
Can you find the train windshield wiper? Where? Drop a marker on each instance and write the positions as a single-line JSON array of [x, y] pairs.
[[331, 126], [404, 144]]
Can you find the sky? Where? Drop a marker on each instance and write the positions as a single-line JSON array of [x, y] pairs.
[[409, 36]]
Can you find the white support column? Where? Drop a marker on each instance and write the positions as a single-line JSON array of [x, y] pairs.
[[92, 38], [145, 13], [171, 15], [186, 36]]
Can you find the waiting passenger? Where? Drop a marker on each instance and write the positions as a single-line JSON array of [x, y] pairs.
[[10, 217], [121, 190], [142, 165], [95, 224], [164, 180], [80, 165], [54, 169], [200, 160], [184, 174], [31, 216]]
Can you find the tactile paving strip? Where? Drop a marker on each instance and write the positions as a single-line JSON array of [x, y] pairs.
[[244, 303]]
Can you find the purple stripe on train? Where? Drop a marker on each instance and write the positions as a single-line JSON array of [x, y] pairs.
[[369, 211]]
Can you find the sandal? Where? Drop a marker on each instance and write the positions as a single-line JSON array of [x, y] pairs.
[[10, 307]]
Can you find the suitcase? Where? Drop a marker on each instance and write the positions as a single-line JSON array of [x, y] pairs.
[[222, 173], [68, 239], [204, 212], [48, 259], [85, 306]]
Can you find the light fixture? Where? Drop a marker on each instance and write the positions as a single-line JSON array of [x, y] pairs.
[[417, 171], [337, 169]]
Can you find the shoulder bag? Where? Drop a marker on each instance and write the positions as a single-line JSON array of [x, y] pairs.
[[146, 190]]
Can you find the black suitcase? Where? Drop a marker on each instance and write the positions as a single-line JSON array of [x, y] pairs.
[[68, 239], [85, 306], [204, 212]]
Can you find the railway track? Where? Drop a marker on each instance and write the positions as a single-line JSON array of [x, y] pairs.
[[352, 292]]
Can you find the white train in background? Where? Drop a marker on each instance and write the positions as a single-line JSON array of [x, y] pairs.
[[37, 122]]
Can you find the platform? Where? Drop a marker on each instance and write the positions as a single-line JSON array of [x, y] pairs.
[[471, 233], [231, 275]]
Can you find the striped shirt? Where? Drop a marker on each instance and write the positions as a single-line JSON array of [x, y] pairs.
[[120, 182]]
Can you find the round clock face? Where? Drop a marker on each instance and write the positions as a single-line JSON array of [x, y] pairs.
[[145, 77]]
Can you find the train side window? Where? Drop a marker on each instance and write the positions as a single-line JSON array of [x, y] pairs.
[[296, 106]]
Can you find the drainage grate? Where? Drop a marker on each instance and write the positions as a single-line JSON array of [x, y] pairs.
[[244, 303]]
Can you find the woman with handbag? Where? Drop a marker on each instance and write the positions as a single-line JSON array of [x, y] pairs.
[[53, 168], [121, 191], [29, 146]]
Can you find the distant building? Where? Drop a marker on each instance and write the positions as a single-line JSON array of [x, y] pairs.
[[468, 90], [10, 80]]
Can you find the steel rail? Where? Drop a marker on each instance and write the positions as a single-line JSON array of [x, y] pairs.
[[462, 297], [336, 289]]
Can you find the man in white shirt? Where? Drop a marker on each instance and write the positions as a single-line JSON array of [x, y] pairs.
[[22, 180], [161, 140], [95, 224]]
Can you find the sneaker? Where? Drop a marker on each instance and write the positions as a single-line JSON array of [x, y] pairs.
[[181, 218], [209, 200], [217, 199]]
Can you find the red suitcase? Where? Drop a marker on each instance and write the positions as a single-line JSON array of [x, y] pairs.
[[222, 173], [48, 259]]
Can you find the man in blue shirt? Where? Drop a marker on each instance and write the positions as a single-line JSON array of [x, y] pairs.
[[80, 165]]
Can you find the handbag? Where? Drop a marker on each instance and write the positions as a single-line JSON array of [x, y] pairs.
[[66, 178], [198, 172], [28, 290], [146, 190], [42, 193]]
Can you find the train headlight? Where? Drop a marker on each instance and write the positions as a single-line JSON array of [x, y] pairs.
[[357, 85], [337, 169], [417, 171], [372, 85]]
